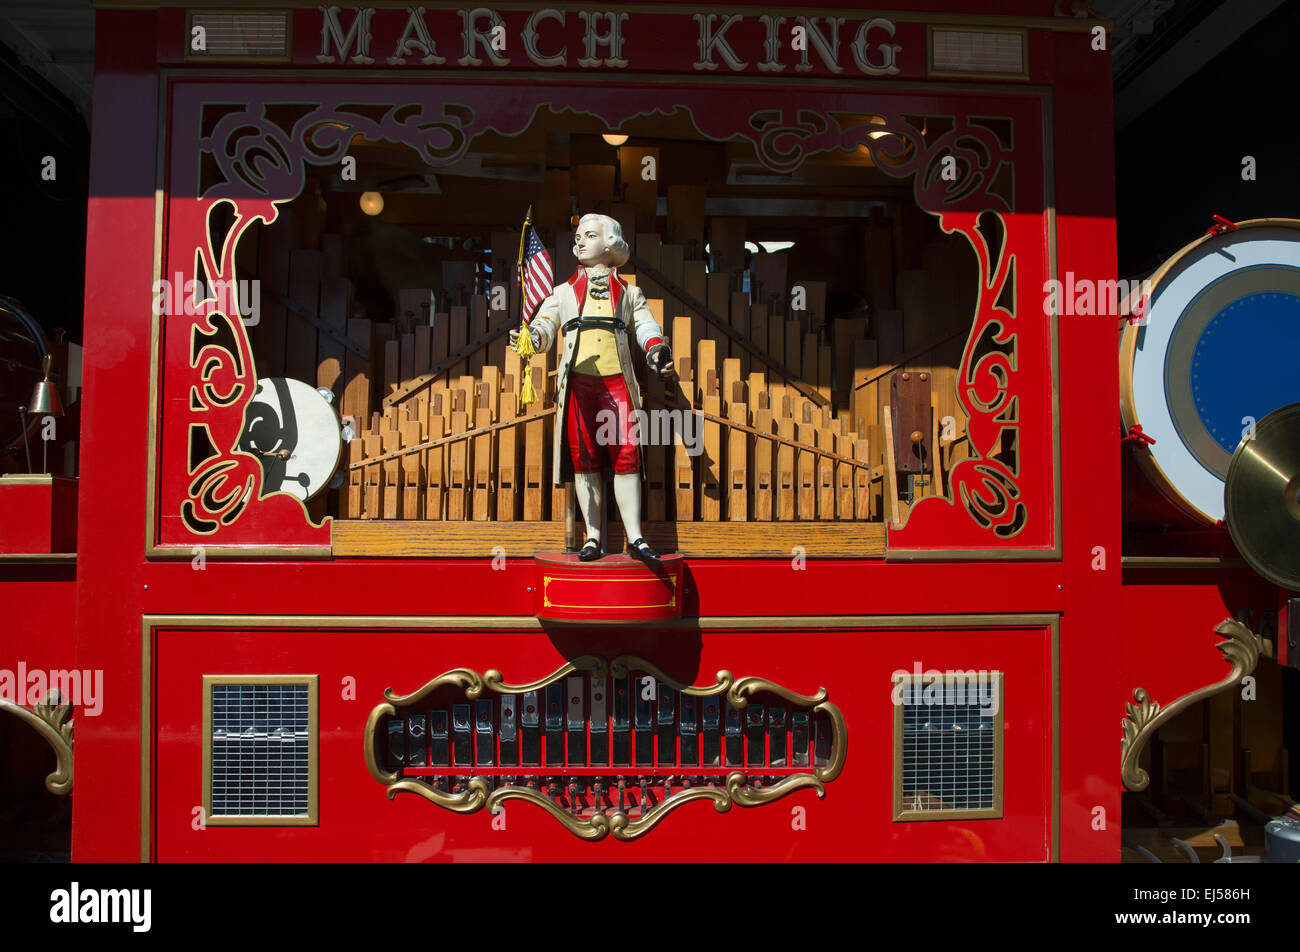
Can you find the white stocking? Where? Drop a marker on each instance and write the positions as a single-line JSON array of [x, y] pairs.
[[587, 487], [627, 492]]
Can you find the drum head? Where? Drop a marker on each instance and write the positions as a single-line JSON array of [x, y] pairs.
[[1217, 352], [293, 429]]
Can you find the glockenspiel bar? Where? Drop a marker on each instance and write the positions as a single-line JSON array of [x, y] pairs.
[[555, 725], [529, 718], [484, 744], [416, 741], [643, 718], [623, 721]]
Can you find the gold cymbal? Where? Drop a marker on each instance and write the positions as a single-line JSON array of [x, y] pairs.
[[1261, 497]]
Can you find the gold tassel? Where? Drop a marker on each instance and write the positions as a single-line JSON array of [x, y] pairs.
[[524, 348]]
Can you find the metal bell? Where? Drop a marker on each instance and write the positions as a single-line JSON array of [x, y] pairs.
[[45, 395]]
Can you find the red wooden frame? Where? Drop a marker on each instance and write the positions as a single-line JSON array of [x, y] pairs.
[[137, 764]]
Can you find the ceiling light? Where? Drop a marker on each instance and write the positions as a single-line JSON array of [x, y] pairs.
[[372, 203], [614, 138]]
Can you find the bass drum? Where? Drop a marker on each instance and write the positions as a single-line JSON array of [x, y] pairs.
[[1217, 351]]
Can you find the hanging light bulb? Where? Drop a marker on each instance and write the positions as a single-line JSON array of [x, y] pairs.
[[614, 138], [372, 203]]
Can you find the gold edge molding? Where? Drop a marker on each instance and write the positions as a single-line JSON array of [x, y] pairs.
[[721, 622], [1145, 716], [737, 790], [1081, 22], [51, 721]]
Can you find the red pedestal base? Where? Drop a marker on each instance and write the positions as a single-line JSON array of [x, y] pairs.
[[38, 515], [611, 589]]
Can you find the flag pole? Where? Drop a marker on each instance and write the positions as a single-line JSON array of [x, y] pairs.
[[524, 343]]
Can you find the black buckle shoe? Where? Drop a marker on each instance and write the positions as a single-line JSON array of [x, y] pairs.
[[590, 551], [642, 550]]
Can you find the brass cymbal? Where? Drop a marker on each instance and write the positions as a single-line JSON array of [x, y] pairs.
[[1261, 497]]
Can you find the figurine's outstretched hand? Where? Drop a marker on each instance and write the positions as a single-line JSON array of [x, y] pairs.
[[532, 332], [660, 359]]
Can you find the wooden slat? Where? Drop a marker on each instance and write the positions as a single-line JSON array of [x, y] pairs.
[[824, 376], [458, 460], [740, 323], [785, 471], [895, 509], [594, 186], [625, 214], [304, 290], [695, 282], [640, 191], [686, 216], [889, 336], [537, 476], [357, 372], [864, 406], [763, 472], [738, 462], [711, 461], [727, 243], [435, 502], [335, 298], [770, 282], [392, 440], [406, 358], [825, 476], [806, 472], [273, 272], [483, 505], [862, 508], [356, 478], [373, 485], [478, 326], [421, 539], [758, 332], [458, 329], [508, 443], [412, 473]]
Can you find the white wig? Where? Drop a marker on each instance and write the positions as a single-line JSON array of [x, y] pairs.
[[613, 234]]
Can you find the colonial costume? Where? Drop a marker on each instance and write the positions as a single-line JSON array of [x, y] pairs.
[[598, 315]]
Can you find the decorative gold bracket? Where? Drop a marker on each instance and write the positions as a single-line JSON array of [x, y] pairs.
[[50, 720], [479, 793], [1145, 716]]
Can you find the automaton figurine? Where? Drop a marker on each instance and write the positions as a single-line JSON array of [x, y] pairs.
[[597, 395]]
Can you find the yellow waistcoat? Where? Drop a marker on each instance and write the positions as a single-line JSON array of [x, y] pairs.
[[597, 350]]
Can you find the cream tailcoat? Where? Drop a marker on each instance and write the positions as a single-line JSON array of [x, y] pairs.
[[628, 305]]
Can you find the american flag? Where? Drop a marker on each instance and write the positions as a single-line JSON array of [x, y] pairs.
[[538, 275]]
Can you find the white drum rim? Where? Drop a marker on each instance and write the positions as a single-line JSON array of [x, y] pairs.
[[1204, 501]]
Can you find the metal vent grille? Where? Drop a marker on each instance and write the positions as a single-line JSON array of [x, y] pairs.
[[969, 51], [949, 750], [261, 743], [259, 36]]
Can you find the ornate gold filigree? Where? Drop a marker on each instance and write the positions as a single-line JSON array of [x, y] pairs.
[[1146, 716], [479, 794], [51, 721]]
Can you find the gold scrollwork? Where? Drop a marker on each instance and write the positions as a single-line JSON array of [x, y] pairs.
[[1145, 716], [737, 789], [51, 721]]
